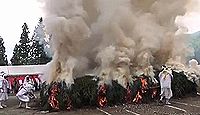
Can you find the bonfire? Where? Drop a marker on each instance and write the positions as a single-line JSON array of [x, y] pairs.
[[86, 92], [122, 43]]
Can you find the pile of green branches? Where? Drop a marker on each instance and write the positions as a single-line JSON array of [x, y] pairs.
[[84, 91]]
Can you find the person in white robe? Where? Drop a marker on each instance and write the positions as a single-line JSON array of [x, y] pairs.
[[25, 93], [165, 78], [4, 86]]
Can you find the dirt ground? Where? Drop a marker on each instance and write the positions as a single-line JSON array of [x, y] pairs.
[[185, 106]]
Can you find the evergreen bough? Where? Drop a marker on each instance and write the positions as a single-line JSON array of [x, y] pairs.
[[84, 91]]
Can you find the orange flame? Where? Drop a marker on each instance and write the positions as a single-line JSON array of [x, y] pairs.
[[102, 100], [144, 85], [52, 98], [138, 97], [154, 92]]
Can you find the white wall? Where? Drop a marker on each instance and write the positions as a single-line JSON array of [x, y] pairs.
[[23, 69]]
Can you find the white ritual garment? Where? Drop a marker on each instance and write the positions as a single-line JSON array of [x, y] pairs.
[[24, 90], [4, 85], [165, 83]]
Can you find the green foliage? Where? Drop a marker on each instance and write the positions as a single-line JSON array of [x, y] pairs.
[[64, 96], [115, 94], [84, 91], [38, 55], [181, 86], [44, 95], [15, 60], [194, 41], [21, 51], [3, 56], [31, 52]]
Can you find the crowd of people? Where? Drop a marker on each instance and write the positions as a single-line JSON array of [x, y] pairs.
[[24, 90], [16, 81]]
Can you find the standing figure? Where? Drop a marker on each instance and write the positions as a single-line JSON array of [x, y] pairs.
[[165, 77], [25, 93], [4, 86], [16, 85]]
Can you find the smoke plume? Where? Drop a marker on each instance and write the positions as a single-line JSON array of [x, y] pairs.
[[113, 38]]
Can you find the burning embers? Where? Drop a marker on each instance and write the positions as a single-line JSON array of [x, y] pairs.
[[141, 91], [88, 92], [102, 100], [52, 98], [137, 91], [146, 90], [138, 97], [59, 98]]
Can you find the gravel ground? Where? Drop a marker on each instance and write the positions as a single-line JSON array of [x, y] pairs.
[[185, 106]]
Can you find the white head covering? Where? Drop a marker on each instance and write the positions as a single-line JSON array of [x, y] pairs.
[[28, 85], [26, 78]]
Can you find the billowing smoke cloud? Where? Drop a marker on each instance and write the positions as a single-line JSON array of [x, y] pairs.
[[189, 22], [112, 38]]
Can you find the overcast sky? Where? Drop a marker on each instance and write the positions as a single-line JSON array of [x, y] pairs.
[[13, 13]]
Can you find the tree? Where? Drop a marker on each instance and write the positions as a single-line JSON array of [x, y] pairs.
[[37, 54], [39, 33], [15, 60], [39, 51], [21, 51], [3, 56], [194, 41]]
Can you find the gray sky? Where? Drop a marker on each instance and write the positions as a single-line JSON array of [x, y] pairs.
[[13, 13]]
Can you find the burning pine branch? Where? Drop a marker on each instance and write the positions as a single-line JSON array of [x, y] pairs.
[[102, 100], [142, 90], [86, 92], [52, 98]]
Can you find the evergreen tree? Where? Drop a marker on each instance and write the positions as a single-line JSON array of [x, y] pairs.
[[39, 32], [39, 51], [194, 42], [3, 56], [15, 60], [37, 54], [21, 51]]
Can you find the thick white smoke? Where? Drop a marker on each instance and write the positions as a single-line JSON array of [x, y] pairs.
[[192, 71], [189, 23], [115, 38]]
